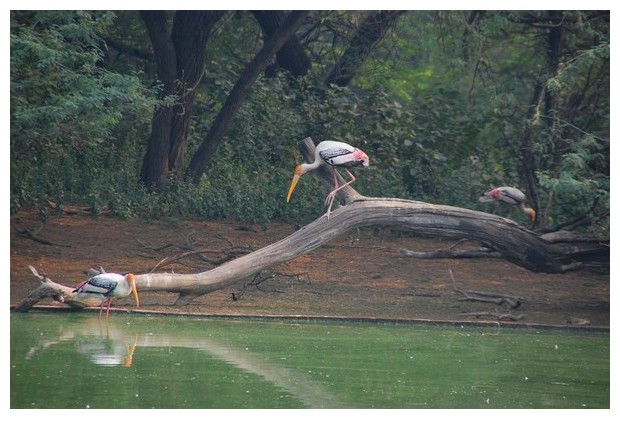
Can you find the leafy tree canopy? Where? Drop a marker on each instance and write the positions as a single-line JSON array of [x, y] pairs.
[[447, 104]]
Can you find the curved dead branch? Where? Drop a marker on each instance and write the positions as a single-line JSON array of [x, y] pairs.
[[554, 253], [50, 289], [517, 244]]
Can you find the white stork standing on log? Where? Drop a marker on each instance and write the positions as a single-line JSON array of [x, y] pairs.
[[511, 196], [109, 286], [336, 154]]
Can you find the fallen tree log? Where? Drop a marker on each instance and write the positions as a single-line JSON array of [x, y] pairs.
[[50, 289], [493, 315], [515, 243], [453, 254]]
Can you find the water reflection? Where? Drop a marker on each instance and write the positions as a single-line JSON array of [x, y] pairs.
[[76, 361], [104, 344], [106, 351], [112, 344]]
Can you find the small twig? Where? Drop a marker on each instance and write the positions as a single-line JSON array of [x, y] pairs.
[[75, 210], [237, 296], [498, 299], [154, 248], [423, 294], [190, 240], [230, 243], [92, 272], [449, 252], [492, 300], [172, 259], [456, 243], [490, 297], [261, 280], [258, 279], [28, 233], [229, 254], [496, 315]]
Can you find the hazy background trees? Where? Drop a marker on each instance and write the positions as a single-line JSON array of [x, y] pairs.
[[190, 113]]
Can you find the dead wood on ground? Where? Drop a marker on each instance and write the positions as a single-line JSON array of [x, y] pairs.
[[550, 253], [493, 315]]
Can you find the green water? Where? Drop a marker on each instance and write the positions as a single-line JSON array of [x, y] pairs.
[[137, 361]]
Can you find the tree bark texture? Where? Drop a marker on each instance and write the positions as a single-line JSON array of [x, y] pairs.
[[291, 56], [544, 101], [555, 254], [190, 34], [155, 162], [370, 32], [180, 59], [517, 244]]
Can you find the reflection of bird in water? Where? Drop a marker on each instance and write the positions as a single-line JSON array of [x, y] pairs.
[[108, 286], [107, 351], [336, 154], [511, 196], [109, 348]]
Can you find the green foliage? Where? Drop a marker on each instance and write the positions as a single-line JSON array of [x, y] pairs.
[[66, 110], [442, 108], [471, 107], [578, 187]]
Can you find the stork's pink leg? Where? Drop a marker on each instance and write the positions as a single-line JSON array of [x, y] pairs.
[[332, 195], [336, 187], [107, 313], [330, 200]]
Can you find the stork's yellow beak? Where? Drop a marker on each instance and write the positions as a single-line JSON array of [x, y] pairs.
[[296, 178], [533, 215], [130, 351], [132, 284]]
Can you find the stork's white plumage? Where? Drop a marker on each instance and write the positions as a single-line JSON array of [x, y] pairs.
[[336, 154], [108, 286], [509, 195]]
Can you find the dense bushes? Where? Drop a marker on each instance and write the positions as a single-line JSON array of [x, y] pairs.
[[78, 129]]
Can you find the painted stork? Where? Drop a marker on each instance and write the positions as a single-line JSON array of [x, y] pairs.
[[336, 154], [109, 286], [509, 195]]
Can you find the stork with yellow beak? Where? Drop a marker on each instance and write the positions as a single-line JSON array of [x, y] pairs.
[[109, 286], [511, 196], [336, 154]]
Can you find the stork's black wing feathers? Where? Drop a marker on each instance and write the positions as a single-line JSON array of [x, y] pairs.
[[96, 285], [330, 155], [352, 164]]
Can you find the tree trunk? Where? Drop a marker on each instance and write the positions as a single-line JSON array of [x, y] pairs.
[[180, 58], [528, 159], [291, 56], [552, 253], [369, 33], [517, 244], [237, 95], [190, 35], [155, 162], [543, 104]]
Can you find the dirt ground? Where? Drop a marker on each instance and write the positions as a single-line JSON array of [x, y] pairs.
[[362, 274]]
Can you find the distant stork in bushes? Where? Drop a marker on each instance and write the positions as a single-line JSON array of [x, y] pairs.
[[511, 196]]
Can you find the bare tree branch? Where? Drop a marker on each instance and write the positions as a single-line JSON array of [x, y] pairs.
[[554, 253]]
